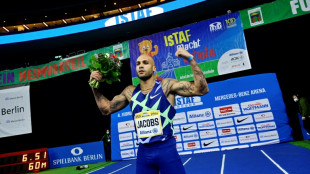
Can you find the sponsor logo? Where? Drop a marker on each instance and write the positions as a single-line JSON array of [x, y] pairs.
[[76, 151], [190, 136], [126, 126], [177, 137], [179, 147], [231, 22], [145, 114], [151, 97], [207, 134], [268, 135], [185, 128], [224, 122], [76, 154], [199, 115], [266, 126], [136, 143], [179, 118], [246, 128], [176, 129], [206, 125], [136, 15], [241, 120], [228, 141], [191, 145], [185, 102], [226, 111], [255, 106], [215, 26], [126, 145], [125, 136], [256, 16], [211, 143], [263, 116], [188, 127], [248, 138], [227, 131], [127, 153]]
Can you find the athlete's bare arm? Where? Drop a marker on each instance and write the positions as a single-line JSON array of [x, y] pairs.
[[120, 101], [184, 88]]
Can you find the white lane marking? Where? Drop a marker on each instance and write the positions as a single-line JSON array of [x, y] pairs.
[[274, 162], [95, 170], [186, 161], [223, 164], [120, 169]]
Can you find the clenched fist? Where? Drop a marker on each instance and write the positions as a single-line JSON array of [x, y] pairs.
[[181, 52]]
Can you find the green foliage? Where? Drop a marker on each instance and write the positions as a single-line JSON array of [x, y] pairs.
[[108, 65]]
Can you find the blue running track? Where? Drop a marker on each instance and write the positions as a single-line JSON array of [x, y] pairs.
[[281, 158]]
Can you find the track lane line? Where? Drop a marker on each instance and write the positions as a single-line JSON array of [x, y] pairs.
[[187, 161], [120, 169], [274, 162], [223, 164]]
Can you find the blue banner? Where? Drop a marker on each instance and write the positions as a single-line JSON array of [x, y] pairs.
[[236, 113], [305, 133], [76, 154], [89, 26], [217, 44]]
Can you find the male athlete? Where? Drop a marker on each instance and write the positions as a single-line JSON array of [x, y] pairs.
[[152, 106]]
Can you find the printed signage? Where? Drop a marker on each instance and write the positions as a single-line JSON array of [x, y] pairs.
[[251, 112], [76, 154]]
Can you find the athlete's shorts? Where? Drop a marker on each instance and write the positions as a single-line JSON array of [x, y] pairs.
[[159, 157]]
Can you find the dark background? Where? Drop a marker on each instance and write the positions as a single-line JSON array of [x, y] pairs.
[[64, 111]]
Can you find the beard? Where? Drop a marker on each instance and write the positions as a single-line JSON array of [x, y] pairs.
[[145, 77]]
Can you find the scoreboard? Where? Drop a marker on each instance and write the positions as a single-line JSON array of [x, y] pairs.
[[24, 161]]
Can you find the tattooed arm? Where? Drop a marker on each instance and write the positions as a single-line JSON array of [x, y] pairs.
[[185, 88], [106, 106]]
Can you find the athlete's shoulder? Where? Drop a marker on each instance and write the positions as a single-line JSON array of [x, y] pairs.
[[130, 88], [168, 81], [128, 91]]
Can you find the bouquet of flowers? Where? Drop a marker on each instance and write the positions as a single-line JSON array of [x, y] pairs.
[[108, 64]]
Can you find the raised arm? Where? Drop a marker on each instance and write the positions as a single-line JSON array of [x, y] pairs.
[[184, 88], [106, 106]]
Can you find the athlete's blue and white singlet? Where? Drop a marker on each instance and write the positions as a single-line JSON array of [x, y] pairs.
[[153, 115]]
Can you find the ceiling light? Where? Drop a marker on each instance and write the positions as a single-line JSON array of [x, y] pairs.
[[114, 3], [45, 24], [6, 29], [120, 10], [139, 5], [64, 21], [83, 18], [25, 26]]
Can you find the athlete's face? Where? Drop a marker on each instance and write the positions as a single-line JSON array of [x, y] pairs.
[[145, 67]]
